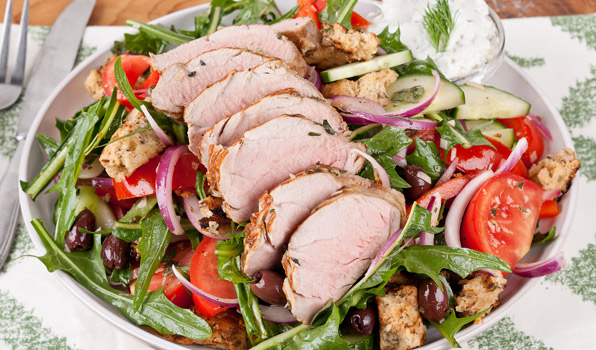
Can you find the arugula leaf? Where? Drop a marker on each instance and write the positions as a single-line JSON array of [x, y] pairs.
[[540, 238], [256, 328], [159, 32], [121, 276], [430, 260], [152, 246], [128, 227], [74, 157], [338, 11], [290, 14], [88, 270], [200, 184], [391, 42], [451, 325], [255, 11], [48, 144], [453, 133], [228, 259], [383, 146], [426, 155], [421, 67]]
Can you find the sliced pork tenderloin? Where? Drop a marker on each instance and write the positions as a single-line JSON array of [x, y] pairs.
[[302, 31], [259, 38], [237, 91], [283, 208], [179, 84], [269, 154], [287, 101], [335, 245]]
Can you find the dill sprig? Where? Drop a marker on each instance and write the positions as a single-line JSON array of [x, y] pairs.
[[439, 23]]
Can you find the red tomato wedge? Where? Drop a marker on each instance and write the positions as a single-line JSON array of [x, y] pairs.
[[358, 21], [523, 127], [484, 158], [549, 209], [447, 190], [203, 274], [142, 182], [134, 66], [502, 216], [173, 289], [308, 9]]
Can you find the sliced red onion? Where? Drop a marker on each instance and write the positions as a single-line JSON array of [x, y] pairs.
[[381, 51], [277, 314], [352, 119], [314, 77], [196, 290], [346, 103], [543, 129], [400, 158], [165, 138], [163, 187], [378, 169], [396, 121], [540, 268], [463, 124], [192, 208], [547, 195], [384, 250], [92, 170], [458, 208], [514, 157], [422, 105], [448, 172], [433, 206], [96, 182]]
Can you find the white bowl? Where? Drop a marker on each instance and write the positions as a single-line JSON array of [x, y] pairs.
[[71, 95]]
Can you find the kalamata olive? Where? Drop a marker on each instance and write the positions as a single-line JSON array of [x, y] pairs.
[[268, 287], [416, 177], [362, 321], [76, 240], [432, 301], [115, 252]]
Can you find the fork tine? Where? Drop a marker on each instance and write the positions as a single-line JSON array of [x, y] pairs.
[[19, 69], [5, 40]]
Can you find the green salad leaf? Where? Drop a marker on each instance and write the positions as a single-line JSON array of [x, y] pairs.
[[453, 133], [128, 228], [121, 276], [152, 246], [426, 155], [391, 42], [228, 259], [540, 238], [338, 11], [48, 144], [88, 270], [452, 324]]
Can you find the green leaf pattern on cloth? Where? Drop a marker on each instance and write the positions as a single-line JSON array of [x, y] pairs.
[[505, 336], [580, 27], [526, 62], [20, 246]]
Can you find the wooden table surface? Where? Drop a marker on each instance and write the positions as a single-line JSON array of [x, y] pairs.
[[115, 12]]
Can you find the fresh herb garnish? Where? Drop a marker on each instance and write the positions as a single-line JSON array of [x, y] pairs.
[[200, 184], [409, 95], [314, 134], [439, 24]]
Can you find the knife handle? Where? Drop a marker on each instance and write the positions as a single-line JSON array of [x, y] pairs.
[[9, 203]]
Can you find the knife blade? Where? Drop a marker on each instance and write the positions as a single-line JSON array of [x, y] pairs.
[[52, 64]]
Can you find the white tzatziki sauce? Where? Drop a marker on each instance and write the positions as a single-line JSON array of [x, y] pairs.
[[473, 42]]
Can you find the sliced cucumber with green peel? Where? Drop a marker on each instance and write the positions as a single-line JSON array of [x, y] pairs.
[[493, 129], [487, 102], [408, 90], [359, 68]]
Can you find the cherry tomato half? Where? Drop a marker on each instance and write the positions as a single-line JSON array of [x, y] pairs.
[[502, 216], [134, 66], [523, 127]]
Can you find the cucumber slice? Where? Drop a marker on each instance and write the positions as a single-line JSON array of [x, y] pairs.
[[487, 102], [449, 95], [359, 68], [493, 129]]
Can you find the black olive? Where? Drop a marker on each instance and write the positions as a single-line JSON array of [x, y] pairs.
[[268, 287], [415, 176], [362, 321], [115, 252], [76, 240], [432, 301]]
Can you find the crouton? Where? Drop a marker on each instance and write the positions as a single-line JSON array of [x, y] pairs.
[[121, 158], [555, 172], [372, 86], [400, 323], [93, 82], [340, 45], [228, 332], [479, 293]]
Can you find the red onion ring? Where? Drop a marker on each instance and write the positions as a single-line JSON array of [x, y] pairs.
[[378, 169], [514, 157], [163, 137], [384, 250], [381, 51], [540, 268], [105, 182], [352, 119], [422, 105], [448, 173], [458, 208], [192, 208], [400, 158], [396, 121], [314, 77], [547, 195], [201, 293], [345, 103], [543, 129], [425, 237], [277, 314], [163, 187]]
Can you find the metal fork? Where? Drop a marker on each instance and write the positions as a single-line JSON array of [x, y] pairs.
[[10, 90]]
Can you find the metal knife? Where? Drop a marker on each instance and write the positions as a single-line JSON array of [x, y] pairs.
[[52, 64]]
